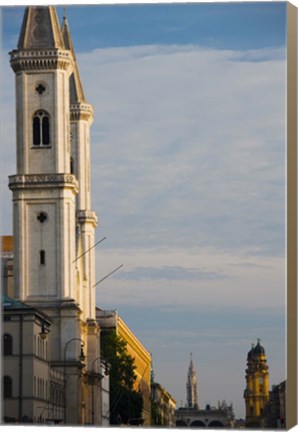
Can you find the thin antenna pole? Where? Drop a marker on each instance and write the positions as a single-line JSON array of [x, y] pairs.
[[109, 274], [84, 253]]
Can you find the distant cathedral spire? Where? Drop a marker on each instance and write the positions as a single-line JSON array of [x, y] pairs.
[[191, 386]]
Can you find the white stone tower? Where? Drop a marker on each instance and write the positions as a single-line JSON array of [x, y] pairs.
[[53, 222], [191, 386]]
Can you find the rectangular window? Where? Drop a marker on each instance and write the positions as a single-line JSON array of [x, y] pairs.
[[42, 257]]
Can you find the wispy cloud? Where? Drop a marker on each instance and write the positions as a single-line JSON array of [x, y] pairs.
[[166, 277], [168, 272], [189, 145]]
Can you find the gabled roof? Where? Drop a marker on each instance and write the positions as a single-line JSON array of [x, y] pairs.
[[40, 29]]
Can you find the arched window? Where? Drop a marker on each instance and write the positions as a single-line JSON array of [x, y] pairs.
[[197, 424], [7, 386], [7, 344], [41, 129]]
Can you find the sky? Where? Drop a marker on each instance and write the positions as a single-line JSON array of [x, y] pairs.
[[188, 179]]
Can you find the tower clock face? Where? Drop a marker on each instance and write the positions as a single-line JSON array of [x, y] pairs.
[[260, 380]]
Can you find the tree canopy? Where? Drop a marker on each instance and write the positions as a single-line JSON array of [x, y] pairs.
[[125, 402]]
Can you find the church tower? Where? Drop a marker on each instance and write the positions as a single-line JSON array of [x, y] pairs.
[[191, 386], [256, 393], [52, 217]]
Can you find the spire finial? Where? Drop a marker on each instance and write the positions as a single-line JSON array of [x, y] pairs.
[[259, 340], [64, 13]]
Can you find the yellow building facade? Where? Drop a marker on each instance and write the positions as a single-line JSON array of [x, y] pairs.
[[256, 394], [142, 359]]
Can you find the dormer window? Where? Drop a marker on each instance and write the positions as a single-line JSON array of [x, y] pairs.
[[41, 129]]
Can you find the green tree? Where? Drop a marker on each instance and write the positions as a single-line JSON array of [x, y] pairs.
[[125, 402]]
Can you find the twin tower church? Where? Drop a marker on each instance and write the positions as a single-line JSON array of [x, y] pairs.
[[53, 221]]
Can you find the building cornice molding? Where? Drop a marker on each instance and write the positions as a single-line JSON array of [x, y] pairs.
[[81, 111], [133, 341], [25, 181], [36, 60], [87, 216]]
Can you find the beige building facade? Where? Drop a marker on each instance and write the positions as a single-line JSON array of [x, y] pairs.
[[163, 406], [33, 392], [221, 416]]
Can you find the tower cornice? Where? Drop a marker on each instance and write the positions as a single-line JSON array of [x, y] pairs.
[[36, 60], [25, 181], [85, 216], [81, 111]]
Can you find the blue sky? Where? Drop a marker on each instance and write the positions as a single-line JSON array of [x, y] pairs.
[[188, 179], [233, 26]]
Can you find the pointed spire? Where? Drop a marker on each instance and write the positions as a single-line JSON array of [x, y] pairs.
[[66, 34], [76, 89], [40, 29], [191, 386]]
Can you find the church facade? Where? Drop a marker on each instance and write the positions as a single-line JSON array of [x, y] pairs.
[[53, 222]]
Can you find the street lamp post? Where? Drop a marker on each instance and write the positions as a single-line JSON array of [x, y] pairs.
[[92, 382], [92, 389], [81, 358]]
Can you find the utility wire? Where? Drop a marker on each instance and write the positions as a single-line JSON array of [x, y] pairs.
[[109, 274], [84, 253]]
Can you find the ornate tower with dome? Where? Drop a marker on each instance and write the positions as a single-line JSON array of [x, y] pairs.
[[256, 393]]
